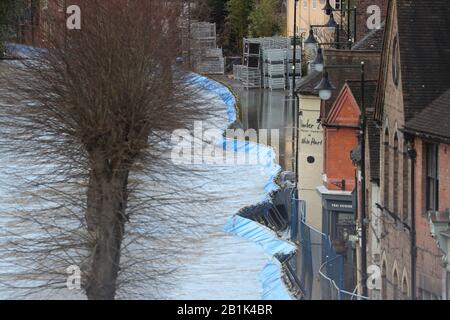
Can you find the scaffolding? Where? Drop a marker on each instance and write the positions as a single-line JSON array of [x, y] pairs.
[[276, 68], [200, 47], [250, 77], [273, 57], [212, 62]]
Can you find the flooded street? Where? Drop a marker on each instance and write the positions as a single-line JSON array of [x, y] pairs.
[[220, 265], [271, 110]]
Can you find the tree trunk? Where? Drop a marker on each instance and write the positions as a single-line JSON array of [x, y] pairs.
[[105, 217]]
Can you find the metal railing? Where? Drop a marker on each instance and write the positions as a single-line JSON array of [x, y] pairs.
[[320, 270]]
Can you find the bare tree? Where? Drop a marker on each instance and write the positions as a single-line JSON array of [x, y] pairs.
[[95, 112]]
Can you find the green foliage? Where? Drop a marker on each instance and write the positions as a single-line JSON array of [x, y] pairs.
[[264, 19], [237, 22], [218, 12], [10, 10]]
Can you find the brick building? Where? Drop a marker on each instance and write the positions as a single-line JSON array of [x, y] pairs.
[[313, 113], [34, 26], [429, 133], [414, 73]]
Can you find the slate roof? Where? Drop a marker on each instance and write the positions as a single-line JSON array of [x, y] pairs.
[[434, 120], [370, 88], [307, 84], [424, 39], [372, 40]]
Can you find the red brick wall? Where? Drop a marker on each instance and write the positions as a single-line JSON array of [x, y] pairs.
[[395, 239], [428, 254], [444, 177], [35, 33], [339, 143]]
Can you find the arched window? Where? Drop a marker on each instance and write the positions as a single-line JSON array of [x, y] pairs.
[[386, 168], [395, 286], [405, 289], [396, 173], [383, 281], [406, 183]]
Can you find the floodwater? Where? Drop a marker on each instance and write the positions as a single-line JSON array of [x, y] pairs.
[[212, 264], [270, 110]]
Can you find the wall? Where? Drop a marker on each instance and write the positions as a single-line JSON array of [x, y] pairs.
[[429, 266], [338, 165], [305, 16], [395, 237], [35, 33], [310, 145]]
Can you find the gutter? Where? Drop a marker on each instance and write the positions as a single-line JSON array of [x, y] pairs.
[[427, 136]]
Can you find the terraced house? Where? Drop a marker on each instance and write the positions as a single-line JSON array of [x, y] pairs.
[[411, 108]]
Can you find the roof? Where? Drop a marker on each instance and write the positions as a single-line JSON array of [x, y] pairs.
[[434, 120], [338, 77], [423, 32], [373, 131], [370, 88], [307, 84], [373, 40]]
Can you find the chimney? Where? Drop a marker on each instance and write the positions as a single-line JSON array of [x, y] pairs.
[[362, 16]]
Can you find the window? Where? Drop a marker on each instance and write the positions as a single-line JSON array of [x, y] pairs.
[[432, 177], [386, 170], [314, 4], [405, 289], [406, 182], [383, 282], [395, 295], [305, 4], [338, 4]]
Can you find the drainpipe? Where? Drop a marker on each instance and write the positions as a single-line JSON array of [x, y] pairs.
[[412, 154], [363, 184]]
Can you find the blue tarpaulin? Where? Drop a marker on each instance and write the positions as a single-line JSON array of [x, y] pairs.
[[273, 286], [259, 234], [222, 91], [271, 278], [23, 51]]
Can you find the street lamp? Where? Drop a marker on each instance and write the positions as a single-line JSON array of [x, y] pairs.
[[331, 24], [311, 41], [318, 62], [328, 8], [325, 87]]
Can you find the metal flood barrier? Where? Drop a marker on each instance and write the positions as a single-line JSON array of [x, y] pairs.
[[320, 270]]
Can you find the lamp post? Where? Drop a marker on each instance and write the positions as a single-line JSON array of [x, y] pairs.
[[295, 114], [328, 9], [325, 89]]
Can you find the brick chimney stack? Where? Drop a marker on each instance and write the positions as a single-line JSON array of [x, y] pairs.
[[362, 15]]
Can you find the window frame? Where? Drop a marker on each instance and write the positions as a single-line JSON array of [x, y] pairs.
[[431, 177]]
